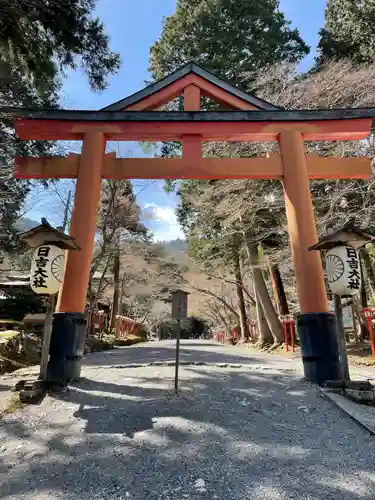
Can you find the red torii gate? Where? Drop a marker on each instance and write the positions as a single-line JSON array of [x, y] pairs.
[[247, 118]]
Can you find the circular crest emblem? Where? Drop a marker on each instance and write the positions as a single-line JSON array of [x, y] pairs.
[[335, 268]]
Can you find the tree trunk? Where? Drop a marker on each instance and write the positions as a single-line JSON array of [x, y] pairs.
[[265, 334], [121, 298], [368, 275], [240, 297], [364, 333], [268, 308], [116, 288], [363, 293], [369, 271], [225, 324], [90, 311], [278, 288]]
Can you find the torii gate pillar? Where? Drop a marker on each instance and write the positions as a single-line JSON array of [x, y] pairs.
[[301, 225], [77, 269]]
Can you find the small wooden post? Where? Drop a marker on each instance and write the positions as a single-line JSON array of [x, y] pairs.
[[179, 312], [341, 338], [293, 334], [47, 331], [371, 332], [369, 312], [178, 336], [285, 325]]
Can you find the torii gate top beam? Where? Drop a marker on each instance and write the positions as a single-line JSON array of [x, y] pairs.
[[316, 125], [136, 118]]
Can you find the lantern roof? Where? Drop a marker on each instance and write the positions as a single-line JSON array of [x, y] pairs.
[[45, 234], [347, 235], [172, 293], [179, 290]]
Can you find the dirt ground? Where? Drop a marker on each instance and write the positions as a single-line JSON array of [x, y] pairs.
[[243, 426], [359, 353]]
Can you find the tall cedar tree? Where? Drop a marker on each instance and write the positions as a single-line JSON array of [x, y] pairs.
[[349, 31], [39, 39], [232, 38]]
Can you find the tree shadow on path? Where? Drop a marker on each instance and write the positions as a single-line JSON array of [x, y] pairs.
[[203, 352], [247, 434]]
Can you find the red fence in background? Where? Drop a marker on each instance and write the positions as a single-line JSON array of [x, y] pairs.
[[126, 326], [220, 337], [97, 322], [235, 336], [288, 325], [253, 330], [370, 315]]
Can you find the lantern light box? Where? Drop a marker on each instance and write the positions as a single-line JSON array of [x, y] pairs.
[[343, 270], [47, 265], [47, 269], [342, 258]]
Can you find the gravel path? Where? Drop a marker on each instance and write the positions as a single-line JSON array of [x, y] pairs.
[[249, 432]]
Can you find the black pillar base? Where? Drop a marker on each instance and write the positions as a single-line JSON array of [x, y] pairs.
[[319, 347], [66, 348]]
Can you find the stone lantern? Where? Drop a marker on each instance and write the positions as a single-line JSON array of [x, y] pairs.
[[344, 276], [342, 258], [47, 265], [46, 276]]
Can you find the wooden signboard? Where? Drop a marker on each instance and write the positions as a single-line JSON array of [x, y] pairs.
[[179, 304]]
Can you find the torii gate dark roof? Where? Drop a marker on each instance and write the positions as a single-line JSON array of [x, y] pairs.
[[190, 68], [137, 118], [279, 115]]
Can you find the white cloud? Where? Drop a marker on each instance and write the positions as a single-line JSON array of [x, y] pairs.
[[164, 214], [167, 227]]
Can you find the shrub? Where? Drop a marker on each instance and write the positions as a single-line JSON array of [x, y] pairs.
[[19, 302], [191, 328]]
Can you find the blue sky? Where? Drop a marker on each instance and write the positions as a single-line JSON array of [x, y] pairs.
[[133, 26]]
